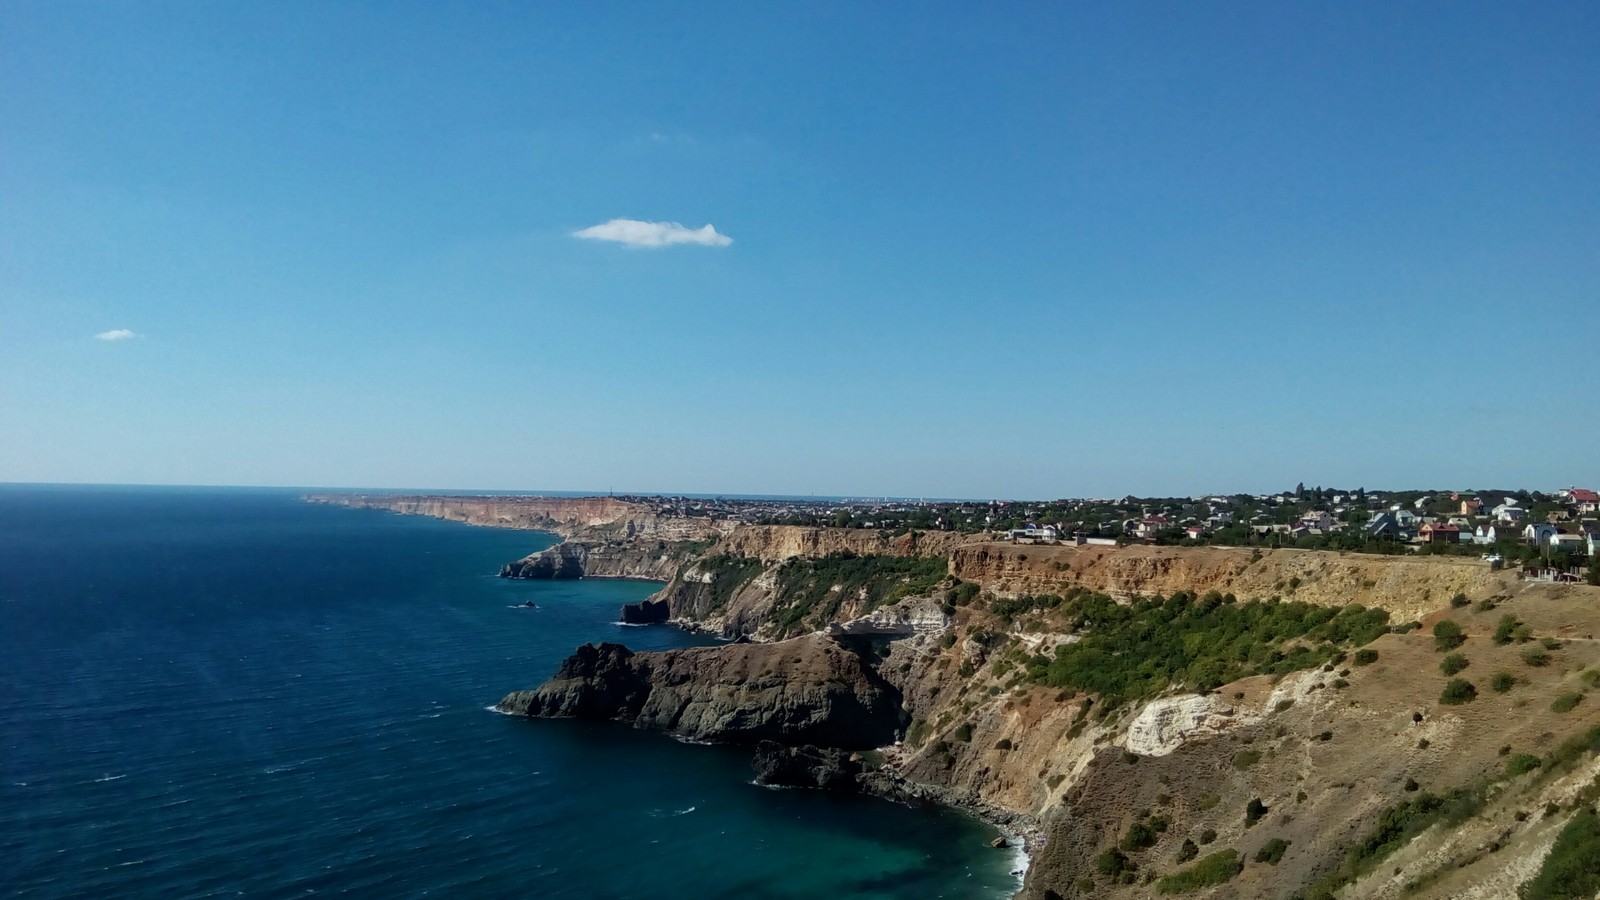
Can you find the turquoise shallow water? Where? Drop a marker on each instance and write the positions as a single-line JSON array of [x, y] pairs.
[[207, 692]]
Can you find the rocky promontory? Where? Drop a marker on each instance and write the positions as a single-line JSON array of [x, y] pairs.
[[809, 690]]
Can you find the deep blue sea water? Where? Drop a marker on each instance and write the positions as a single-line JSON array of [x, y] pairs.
[[223, 692]]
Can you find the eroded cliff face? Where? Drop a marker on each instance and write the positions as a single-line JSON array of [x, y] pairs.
[[1324, 752], [1407, 587], [589, 518]]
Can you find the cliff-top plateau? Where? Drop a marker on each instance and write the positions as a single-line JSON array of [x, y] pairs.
[[1195, 721]]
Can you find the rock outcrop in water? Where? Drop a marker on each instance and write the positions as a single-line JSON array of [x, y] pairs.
[[809, 690], [777, 765], [646, 612]]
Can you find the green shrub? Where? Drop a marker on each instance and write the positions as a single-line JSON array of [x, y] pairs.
[[1453, 663], [1538, 657], [1211, 870], [1272, 851], [1447, 635], [1003, 744], [1566, 702], [1506, 630], [1572, 868], [1550, 643], [1244, 759], [1485, 605], [1207, 836], [1457, 692], [1522, 764], [1502, 682], [1113, 862], [963, 732], [1366, 656], [1140, 836], [1460, 600]]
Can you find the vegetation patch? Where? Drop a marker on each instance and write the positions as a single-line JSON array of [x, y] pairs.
[[1566, 702], [1521, 764], [812, 591], [1143, 835], [1453, 663], [727, 574], [1244, 759], [1397, 825], [1366, 656], [1447, 635], [1212, 870], [1502, 682], [1572, 869], [1509, 629], [1128, 652], [1457, 692], [1272, 851]]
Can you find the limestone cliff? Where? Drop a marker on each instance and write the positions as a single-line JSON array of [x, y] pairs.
[[590, 518], [1310, 763], [1407, 586]]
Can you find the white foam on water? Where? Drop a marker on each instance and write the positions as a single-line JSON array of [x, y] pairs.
[[107, 778]]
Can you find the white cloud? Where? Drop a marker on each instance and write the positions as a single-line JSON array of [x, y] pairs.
[[116, 334], [635, 233]]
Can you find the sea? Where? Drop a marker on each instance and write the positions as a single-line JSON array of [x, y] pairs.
[[228, 692]]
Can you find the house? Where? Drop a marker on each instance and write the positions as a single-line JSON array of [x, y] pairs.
[[1573, 542], [1383, 525], [1194, 532], [1405, 519], [1487, 533], [1150, 525], [1594, 543], [1318, 519], [1539, 533], [1586, 501], [1471, 506], [1507, 513], [1439, 533]]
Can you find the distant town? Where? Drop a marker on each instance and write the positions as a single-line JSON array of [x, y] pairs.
[[1552, 536]]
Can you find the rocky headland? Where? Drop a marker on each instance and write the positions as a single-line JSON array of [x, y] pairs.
[[1209, 721]]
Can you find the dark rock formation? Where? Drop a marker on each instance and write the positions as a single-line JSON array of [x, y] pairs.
[[646, 612], [808, 690], [564, 560], [811, 767]]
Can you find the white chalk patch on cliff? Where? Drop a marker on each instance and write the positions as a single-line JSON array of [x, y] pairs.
[[1164, 725], [908, 617]]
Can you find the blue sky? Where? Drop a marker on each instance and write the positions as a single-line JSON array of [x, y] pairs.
[[986, 250]]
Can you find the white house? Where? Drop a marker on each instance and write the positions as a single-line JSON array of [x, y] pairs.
[[1539, 533], [1318, 519], [1567, 542], [1510, 513]]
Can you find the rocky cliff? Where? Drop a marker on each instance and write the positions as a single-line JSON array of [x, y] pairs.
[[1292, 775], [1407, 586], [589, 518], [810, 690]]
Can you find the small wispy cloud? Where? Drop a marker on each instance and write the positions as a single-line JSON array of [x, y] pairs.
[[634, 233], [116, 334]]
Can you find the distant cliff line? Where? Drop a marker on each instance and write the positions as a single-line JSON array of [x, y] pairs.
[[725, 575]]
